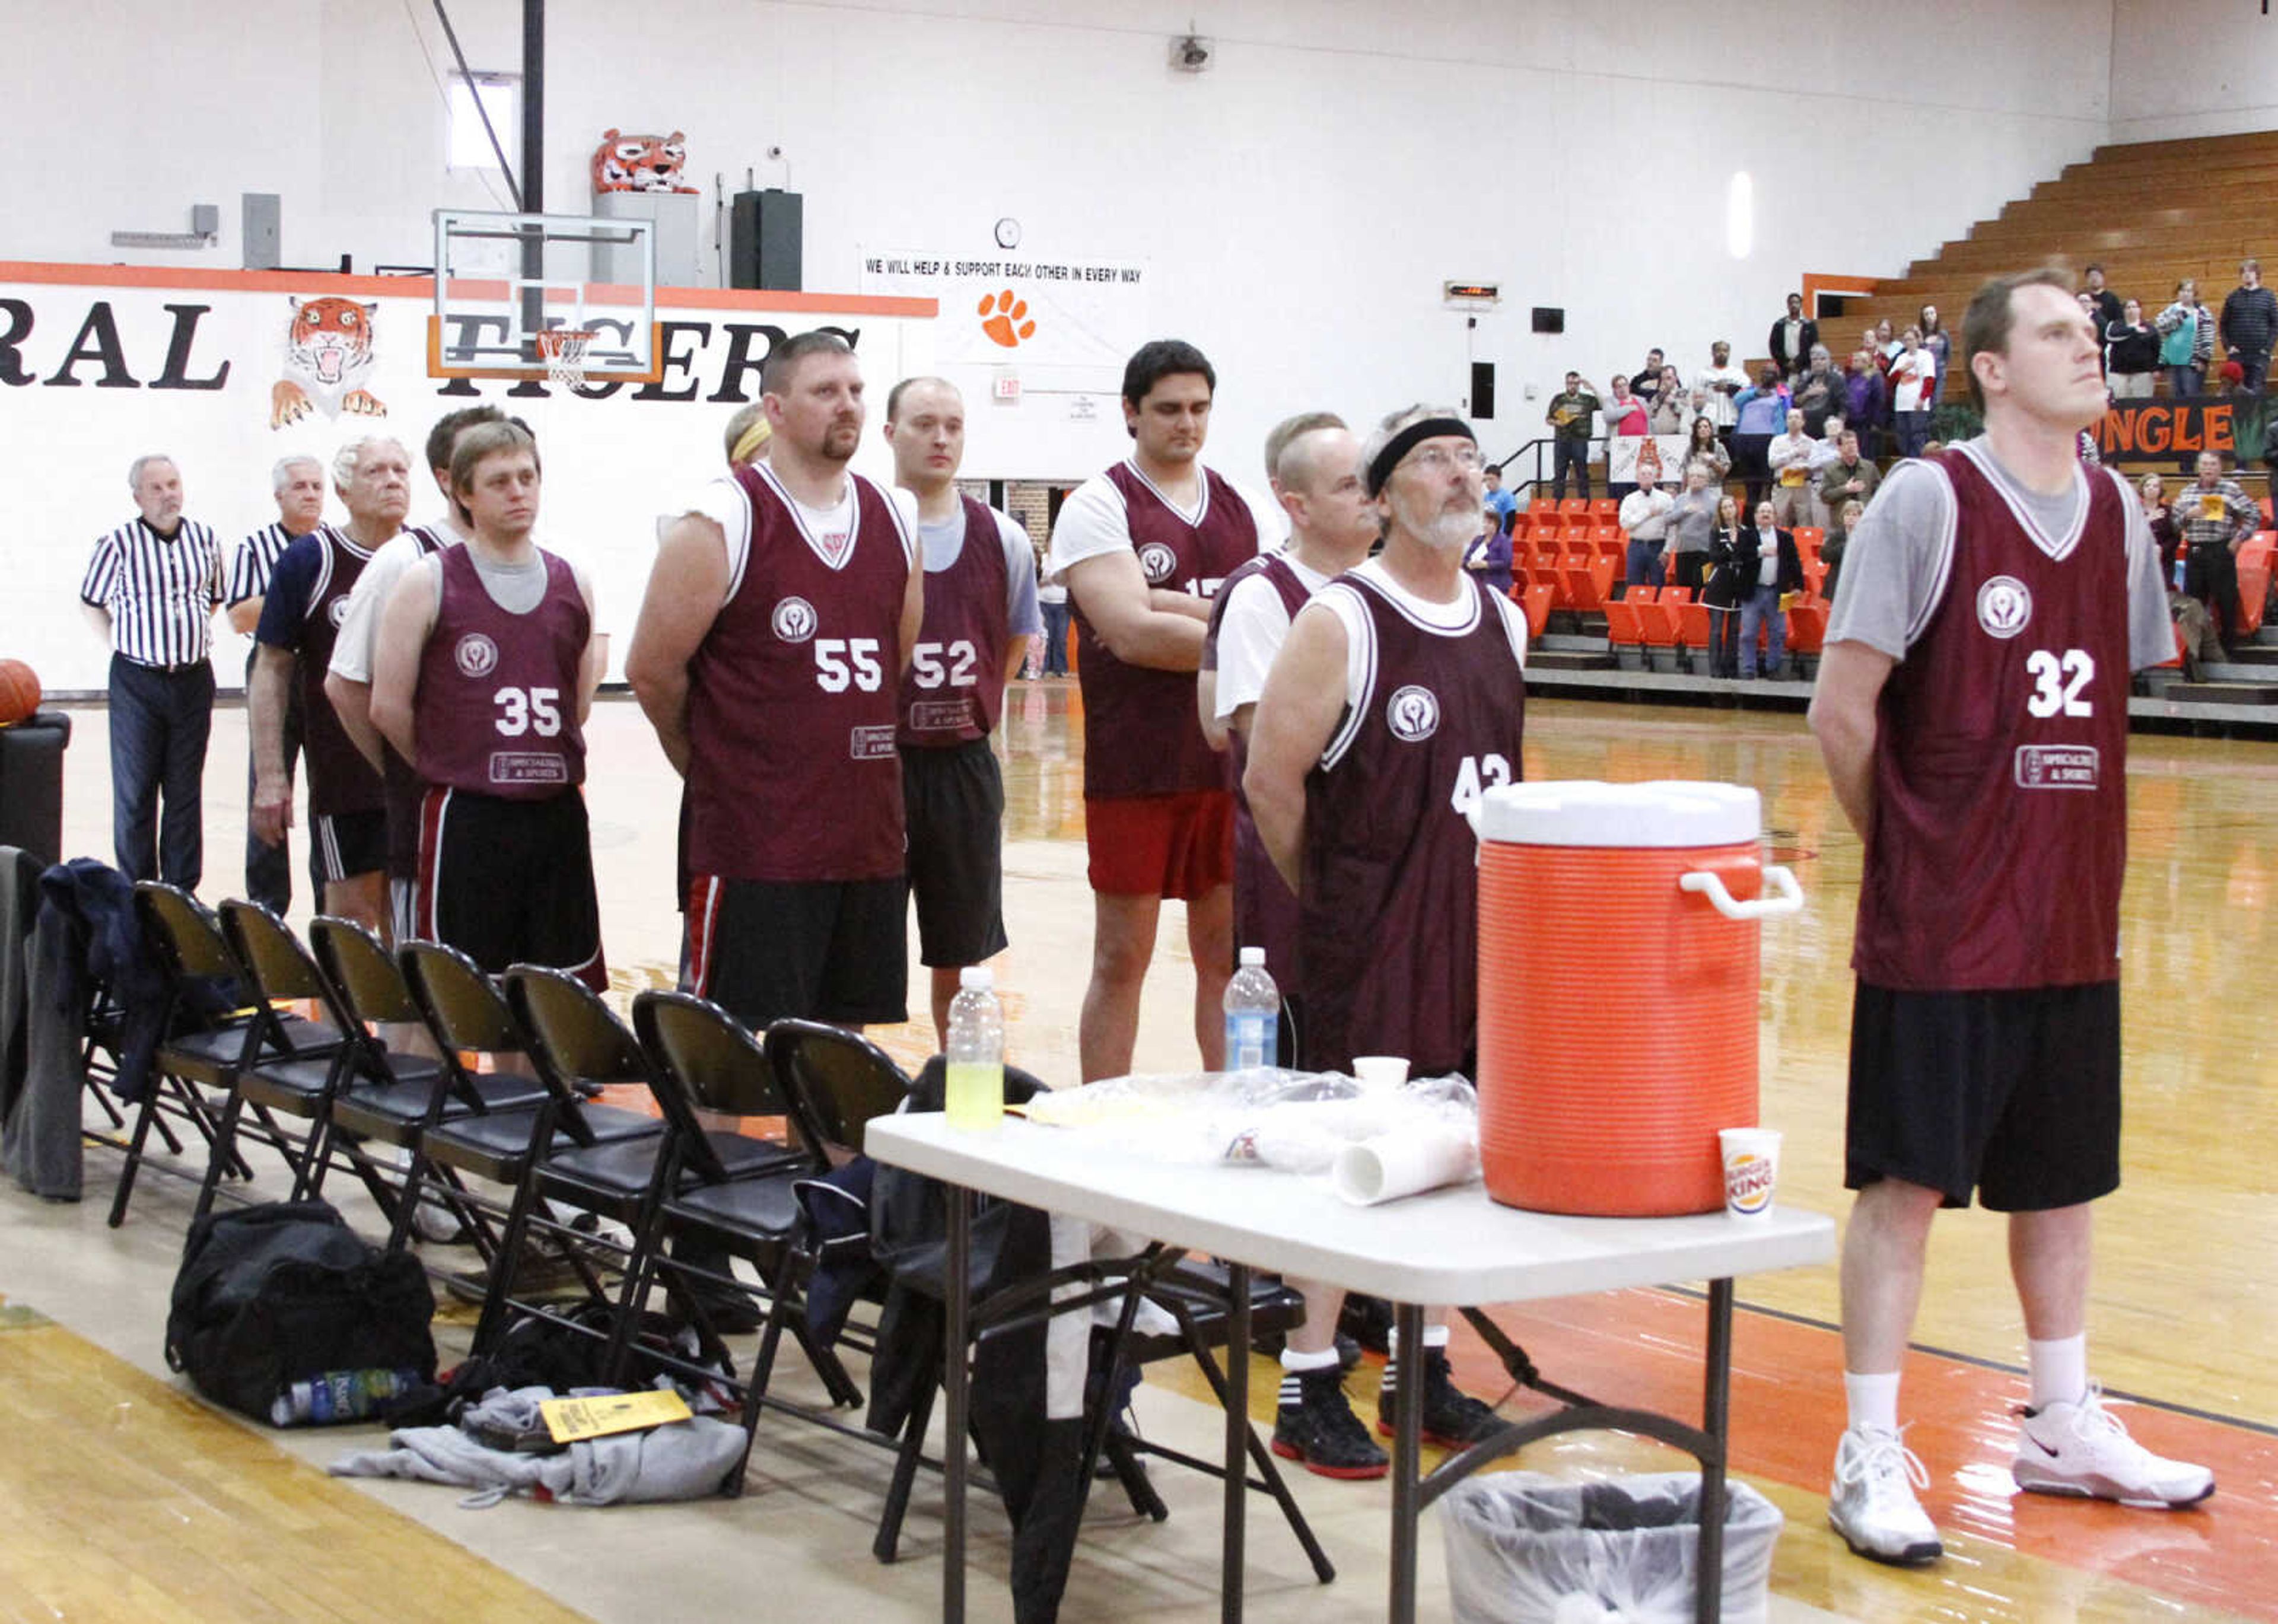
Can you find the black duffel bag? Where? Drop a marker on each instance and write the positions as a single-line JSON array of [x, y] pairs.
[[286, 1292]]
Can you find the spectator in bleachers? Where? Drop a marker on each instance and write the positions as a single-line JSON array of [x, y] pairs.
[[1912, 373], [2104, 304], [2187, 339], [2095, 314], [1866, 395], [1691, 522], [1886, 345], [2250, 320], [2218, 518], [1832, 544], [1646, 381], [1488, 555], [2195, 628], [1645, 516], [1789, 458], [1762, 413], [2162, 518], [1824, 450], [2131, 353], [1721, 591], [1704, 445], [1569, 416], [1718, 383], [1792, 337], [1502, 501], [1818, 392], [1625, 412], [1770, 568], [1935, 340], [1673, 408], [1849, 477]]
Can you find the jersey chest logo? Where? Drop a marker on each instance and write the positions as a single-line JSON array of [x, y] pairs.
[[2004, 606], [794, 619], [337, 610], [476, 655], [1157, 562], [1413, 714]]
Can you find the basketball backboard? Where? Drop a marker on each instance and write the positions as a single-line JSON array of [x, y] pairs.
[[500, 279]]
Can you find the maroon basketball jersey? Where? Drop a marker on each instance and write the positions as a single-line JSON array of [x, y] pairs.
[[497, 713], [339, 778], [1141, 736], [956, 680], [2000, 826], [400, 781], [1265, 908], [1388, 932], [793, 772]]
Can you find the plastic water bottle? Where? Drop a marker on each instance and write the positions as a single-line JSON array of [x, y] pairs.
[[974, 1098], [1253, 1011], [338, 1395]]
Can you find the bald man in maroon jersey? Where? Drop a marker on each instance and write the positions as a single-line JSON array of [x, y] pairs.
[[1397, 698], [1972, 706]]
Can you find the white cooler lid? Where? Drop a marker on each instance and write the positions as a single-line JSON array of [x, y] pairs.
[[1586, 812]]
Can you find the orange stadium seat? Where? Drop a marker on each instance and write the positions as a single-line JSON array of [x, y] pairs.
[[1537, 599], [1575, 507], [1809, 540], [1605, 510], [1623, 628], [1807, 626]]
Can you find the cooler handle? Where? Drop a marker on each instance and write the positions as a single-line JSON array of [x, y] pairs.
[[1784, 895]]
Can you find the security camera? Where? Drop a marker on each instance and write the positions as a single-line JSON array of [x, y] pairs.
[[1190, 53]]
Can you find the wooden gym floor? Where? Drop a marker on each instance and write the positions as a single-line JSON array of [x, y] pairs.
[[2181, 1320]]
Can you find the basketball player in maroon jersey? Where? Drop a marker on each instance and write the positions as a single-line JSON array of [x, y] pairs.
[[1972, 707], [1143, 548], [1397, 698], [980, 613], [1313, 465], [347, 685], [301, 615], [780, 615], [486, 673]]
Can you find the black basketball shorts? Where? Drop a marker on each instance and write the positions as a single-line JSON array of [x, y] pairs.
[[816, 949], [2015, 1094], [511, 882], [953, 806], [342, 845]]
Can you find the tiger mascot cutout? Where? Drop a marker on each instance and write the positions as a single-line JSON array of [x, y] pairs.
[[641, 163], [327, 357]]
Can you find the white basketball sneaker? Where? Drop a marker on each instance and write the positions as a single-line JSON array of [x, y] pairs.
[[2081, 1449], [1872, 1504]]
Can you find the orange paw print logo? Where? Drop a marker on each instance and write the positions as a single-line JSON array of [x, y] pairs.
[[1005, 319]]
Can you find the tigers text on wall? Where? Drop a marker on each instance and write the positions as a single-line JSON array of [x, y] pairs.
[[228, 371]]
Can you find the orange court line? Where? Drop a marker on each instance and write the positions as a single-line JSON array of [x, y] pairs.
[[42, 272], [1645, 1348]]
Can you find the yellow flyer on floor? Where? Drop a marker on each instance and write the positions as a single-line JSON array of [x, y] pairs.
[[573, 1419]]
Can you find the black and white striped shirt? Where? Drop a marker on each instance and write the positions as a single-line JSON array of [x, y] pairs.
[[161, 594], [256, 556]]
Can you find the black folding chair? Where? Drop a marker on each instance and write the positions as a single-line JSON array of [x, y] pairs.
[[212, 1040], [406, 1093], [510, 1118]]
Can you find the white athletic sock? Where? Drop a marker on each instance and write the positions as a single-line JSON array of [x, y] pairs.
[[2059, 1369], [1872, 1400], [1434, 1336], [1297, 1363]]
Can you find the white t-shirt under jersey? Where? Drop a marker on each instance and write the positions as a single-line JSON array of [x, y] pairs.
[[1250, 633], [359, 633], [1092, 520]]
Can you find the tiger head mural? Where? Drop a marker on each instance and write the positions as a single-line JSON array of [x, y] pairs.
[[625, 162], [327, 355]]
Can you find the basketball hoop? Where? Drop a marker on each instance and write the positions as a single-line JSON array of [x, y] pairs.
[[562, 349]]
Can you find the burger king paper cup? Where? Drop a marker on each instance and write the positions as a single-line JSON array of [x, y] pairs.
[[1751, 1169]]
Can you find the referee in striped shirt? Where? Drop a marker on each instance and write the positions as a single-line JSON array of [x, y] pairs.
[[152, 588]]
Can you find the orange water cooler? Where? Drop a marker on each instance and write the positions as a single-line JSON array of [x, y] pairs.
[[1618, 977]]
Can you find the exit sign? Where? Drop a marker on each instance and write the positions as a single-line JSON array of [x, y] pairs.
[[1006, 388]]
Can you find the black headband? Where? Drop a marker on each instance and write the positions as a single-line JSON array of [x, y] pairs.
[[1414, 435]]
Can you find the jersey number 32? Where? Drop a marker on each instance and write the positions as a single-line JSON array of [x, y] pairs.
[[2057, 681]]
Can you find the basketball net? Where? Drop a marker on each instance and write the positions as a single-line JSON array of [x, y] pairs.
[[562, 349]]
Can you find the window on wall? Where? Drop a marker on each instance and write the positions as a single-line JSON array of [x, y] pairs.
[[500, 95]]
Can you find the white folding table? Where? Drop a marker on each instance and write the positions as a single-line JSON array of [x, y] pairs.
[[1450, 1249]]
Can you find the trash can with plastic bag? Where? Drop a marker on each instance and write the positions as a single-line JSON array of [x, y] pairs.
[[1526, 1549]]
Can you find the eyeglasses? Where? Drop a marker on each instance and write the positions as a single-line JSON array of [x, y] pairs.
[[1438, 459]]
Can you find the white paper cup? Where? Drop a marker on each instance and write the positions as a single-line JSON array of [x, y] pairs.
[[1381, 1070], [1751, 1169], [1396, 1164]]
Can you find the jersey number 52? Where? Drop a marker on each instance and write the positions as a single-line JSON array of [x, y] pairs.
[[927, 669]]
